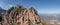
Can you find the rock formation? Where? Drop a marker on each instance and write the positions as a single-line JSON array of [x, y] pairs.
[[20, 16]]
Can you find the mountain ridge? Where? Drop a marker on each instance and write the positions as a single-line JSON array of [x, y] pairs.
[[19, 15]]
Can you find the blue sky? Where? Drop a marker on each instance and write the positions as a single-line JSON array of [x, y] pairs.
[[42, 6]]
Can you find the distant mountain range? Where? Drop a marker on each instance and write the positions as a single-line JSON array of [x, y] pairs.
[[50, 16], [1, 10]]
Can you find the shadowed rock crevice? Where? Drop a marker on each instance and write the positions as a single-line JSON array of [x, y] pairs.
[[0, 18]]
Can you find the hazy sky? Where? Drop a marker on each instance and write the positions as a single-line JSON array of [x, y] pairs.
[[42, 6]]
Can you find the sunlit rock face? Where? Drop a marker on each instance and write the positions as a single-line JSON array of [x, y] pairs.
[[21, 16]]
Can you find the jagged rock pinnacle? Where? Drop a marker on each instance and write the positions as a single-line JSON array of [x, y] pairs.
[[18, 6]]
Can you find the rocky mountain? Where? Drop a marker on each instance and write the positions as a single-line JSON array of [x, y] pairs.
[[19, 15]]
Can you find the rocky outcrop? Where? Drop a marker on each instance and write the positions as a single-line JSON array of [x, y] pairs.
[[20, 16]]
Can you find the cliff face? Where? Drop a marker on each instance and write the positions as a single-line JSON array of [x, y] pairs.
[[20, 16]]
